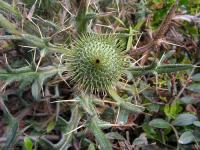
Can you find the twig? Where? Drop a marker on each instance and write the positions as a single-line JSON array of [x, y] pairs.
[[158, 34]]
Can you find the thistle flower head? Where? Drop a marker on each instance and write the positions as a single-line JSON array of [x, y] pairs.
[[96, 62]]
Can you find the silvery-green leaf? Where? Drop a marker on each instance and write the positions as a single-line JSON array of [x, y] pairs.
[[186, 138], [184, 119], [196, 123], [196, 77], [159, 123]]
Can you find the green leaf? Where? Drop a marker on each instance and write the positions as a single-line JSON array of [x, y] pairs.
[[91, 147], [196, 77], [115, 136], [123, 116], [99, 135], [36, 90], [108, 114], [184, 119], [153, 107], [83, 17], [172, 110], [188, 100], [86, 104], [138, 71], [166, 56], [149, 131], [120, 21], [168, 68], [125, 105], [51, 126], [12, 127], [65, 141], [8, 8], [131, 107], [194, 87], [196, 123], [5, 23], [72, 124], [186, 138], [104, 124], [46, 144], [159, 123], [139, 24], [141, 140], [130, 39], [28, 143], [11, 136], [25, 76]]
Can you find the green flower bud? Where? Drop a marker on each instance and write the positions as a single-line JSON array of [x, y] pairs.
[[96, 62]]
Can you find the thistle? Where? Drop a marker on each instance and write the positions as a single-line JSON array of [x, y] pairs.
[[96, 62]]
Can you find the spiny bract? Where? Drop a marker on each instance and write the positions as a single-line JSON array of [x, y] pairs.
[[96, 62]]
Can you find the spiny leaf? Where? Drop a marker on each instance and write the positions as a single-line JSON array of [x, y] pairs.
[[125, 105], [154, 68], [27, 76], [173, 68], [73, 123], [8, 8], [83, 17], [12, 128], [99, 135], [8, 26]]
